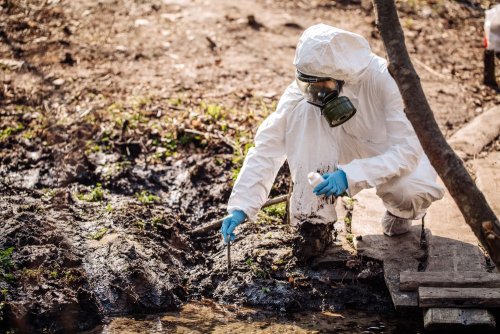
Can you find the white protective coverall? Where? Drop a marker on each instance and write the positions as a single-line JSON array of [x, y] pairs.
[[377, 147]]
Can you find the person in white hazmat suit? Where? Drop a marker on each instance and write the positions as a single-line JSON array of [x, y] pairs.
[[342, 117]]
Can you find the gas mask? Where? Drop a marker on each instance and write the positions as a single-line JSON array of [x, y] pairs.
[[324, 93]]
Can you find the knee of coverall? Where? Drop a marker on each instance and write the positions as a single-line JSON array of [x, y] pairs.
[[411, 195]]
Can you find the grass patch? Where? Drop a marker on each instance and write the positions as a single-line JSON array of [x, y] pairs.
[[239, 156], [256, 271], [272, 214], [276, 210], [158, 220], [213, 111], [6, 264], [95, 195], [99, 234], [145, 197], [109, 208], [33, 274], [9, 131], [140, 224]]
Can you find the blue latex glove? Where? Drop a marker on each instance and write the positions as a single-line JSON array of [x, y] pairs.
[[230, 222], [335, 184]]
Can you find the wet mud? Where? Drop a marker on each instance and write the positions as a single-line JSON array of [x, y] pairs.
[[121, 130], [78, 262]]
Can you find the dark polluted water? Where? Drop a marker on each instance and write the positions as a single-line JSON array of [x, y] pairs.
[[207, 317]]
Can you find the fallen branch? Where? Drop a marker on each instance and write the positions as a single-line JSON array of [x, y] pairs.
[[430, 69], [215, 225]]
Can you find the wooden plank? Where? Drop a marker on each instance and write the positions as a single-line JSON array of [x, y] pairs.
[[459, 297], [411, 281], [453, 247], [404, 301], [451, 319]]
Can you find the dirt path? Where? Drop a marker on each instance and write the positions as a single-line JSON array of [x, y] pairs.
[[123, 124]]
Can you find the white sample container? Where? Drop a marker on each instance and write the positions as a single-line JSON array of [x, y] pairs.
[[314, 179]]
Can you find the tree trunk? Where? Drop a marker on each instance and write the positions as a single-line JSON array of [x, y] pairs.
[[471, 202]]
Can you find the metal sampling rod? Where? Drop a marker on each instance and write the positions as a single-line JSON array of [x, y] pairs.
[[229, 257]]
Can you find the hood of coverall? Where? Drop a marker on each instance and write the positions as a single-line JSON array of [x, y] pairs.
[[326, 51]]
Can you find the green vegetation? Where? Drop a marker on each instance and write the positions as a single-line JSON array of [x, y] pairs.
[[215, 112], [146, 198], [348, 223], [140, 224], [348, 202], [169, 142], [49, 193], [6, 264], [276, 210], [7, 132], [256, 271], [99, 234], [272, 214], [350, 239], [109, 207], [33, 274], [96, 195], [157, 220], [239, 154], [69, 277]]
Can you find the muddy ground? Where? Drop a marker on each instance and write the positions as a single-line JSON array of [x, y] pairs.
[[123, 125]]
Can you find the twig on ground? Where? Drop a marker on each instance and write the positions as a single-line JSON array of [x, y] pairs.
[[218, 223], [429, 69], [226, 141]]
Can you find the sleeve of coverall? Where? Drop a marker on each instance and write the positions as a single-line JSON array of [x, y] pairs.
[[261, 164], [404, 151]]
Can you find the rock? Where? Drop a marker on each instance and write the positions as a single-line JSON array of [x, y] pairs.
[[141, 22], [12, 63], [58, 82]]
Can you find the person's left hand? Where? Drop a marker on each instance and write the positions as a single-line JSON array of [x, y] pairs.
[[335, 184]]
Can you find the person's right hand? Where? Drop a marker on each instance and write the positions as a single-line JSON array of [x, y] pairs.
[[229, 224], [335, 184]]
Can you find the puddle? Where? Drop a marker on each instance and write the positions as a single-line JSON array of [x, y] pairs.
[[207, 317]]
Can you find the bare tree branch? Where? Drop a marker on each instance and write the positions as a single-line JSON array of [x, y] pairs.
[[471, 202]]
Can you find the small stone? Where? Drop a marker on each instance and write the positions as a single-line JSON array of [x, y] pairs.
[[121, 48], [141, 22], [58, 82]]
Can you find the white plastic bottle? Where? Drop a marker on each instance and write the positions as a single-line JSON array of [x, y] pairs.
[[314, 179]]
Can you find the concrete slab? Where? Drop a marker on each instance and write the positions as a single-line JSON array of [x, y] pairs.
[[445, 220], [399, 253]]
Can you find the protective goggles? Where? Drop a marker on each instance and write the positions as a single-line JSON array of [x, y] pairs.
[[318, 90]]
